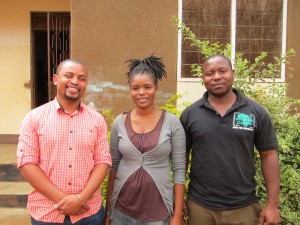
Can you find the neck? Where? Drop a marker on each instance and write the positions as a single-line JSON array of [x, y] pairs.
[[222, 103], [228, 98], [145, 112], [68, 105]]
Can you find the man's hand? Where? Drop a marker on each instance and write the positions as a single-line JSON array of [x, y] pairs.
[[71, 205], [83, 209], [184, 213], [269, 215]]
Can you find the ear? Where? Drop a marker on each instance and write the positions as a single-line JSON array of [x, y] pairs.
[[54, 79], [156, 87], [233, 74]]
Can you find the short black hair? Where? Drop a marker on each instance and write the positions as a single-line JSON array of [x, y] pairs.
[[62, 63], [215, 56]]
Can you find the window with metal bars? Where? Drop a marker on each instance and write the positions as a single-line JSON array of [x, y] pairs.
[[257, 26]]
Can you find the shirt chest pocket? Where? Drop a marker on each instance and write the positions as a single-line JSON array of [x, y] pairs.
[[88, 136]]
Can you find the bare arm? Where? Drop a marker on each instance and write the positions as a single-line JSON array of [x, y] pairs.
[[184, 207], [72, 204], [187, 161], [96, 178], [179, 196], [271, 172], [40, 182]]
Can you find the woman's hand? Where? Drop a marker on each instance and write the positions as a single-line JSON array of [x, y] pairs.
[[106, 220], [176, 220]]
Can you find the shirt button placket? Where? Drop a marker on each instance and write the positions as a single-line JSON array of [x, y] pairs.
[[70, 153]]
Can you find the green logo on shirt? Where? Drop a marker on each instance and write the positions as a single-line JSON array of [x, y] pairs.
[[243, 121]]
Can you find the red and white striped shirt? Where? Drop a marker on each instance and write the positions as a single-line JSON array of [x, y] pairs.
[[66, 147]]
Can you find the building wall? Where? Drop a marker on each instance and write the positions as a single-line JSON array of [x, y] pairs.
[[190, 91], [106, 33], [15, 67], [293, 40]]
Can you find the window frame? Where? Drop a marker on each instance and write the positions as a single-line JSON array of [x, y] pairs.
[[233, 41]]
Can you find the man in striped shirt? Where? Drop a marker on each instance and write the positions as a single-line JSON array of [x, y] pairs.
[[63, 153]]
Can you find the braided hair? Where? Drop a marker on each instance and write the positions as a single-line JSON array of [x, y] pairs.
[[151, 65]]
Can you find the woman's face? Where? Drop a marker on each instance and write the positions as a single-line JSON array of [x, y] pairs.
[[143, 90]]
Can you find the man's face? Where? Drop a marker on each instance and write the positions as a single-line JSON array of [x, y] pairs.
[[217, 76], [71, 81]]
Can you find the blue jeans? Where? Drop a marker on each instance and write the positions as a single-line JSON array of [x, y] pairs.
[[120, 218], [96, 219]]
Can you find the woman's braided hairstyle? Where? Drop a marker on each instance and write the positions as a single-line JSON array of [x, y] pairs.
[[152, 65]]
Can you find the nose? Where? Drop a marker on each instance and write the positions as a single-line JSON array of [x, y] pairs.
[[141, 91], [217, 75], [74, 80]]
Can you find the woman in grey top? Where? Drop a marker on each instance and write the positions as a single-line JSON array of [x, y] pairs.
[[145, 144]]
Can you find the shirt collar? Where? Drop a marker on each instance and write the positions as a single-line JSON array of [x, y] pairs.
[[240, 99], [58, 106]]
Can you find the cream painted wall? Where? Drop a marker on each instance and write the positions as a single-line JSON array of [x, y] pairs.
[[191, 91], [15, 58]]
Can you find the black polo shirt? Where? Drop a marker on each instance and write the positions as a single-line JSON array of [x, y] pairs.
[[222, 169]]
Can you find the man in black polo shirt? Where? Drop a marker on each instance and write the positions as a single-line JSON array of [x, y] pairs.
[[222, 129]]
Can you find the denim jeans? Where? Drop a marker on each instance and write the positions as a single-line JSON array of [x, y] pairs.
[[96, 219], [120, 218]]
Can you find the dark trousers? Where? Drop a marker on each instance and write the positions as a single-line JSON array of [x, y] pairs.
[[198, 215]]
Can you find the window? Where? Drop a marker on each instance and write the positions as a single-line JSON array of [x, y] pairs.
[[251, 26]]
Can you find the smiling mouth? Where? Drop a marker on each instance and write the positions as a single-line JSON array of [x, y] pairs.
[[217, 85], [142, 99], [73, 89]]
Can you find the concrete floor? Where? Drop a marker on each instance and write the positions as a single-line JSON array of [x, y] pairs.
[[15, 188], [8, 153], [12, 216]]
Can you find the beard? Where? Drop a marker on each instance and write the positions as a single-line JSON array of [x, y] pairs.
[[72, 98]]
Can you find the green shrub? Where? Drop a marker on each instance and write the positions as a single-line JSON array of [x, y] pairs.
[[272, 96]]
